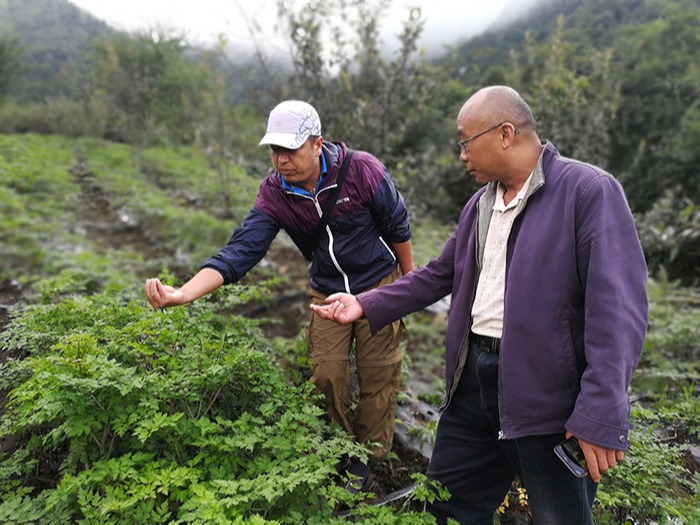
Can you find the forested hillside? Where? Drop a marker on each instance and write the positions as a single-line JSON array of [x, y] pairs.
[[127, 156], [53, 39]]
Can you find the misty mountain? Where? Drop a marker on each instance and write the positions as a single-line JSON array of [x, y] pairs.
[[55, 37], [588, 24], [50, 34]]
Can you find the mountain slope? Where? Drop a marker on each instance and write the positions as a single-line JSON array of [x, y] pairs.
[[50, 33], [588, 24]]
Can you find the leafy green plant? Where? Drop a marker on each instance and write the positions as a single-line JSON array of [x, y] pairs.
[[681, 411], [120, 413], [672, 339], [670, 235], [122, 396], [651, 484]]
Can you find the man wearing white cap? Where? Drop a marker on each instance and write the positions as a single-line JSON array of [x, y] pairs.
[[365, 244]]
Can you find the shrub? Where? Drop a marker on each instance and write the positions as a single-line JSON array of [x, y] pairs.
[[670, 234], [651, 485], [122, 414]]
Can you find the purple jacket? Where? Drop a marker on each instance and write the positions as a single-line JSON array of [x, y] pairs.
[[575, 303], [354, 252]]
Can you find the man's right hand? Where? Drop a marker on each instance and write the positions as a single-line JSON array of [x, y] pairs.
[[161, 295], [342, 308]]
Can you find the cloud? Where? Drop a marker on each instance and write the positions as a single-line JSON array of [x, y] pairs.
[[245, 23]]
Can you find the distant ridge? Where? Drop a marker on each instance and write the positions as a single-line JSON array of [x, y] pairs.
[[50, 33]]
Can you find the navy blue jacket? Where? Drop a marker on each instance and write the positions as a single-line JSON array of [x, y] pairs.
[[353, 253]]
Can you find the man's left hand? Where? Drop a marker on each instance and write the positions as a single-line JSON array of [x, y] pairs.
[[599, 459]]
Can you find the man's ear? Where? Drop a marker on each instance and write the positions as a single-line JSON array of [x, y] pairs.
[[508, 133]]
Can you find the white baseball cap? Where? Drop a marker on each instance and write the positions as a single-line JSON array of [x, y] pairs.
[[290, 123]]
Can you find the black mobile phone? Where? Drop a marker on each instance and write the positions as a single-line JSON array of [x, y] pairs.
[[569, 451]]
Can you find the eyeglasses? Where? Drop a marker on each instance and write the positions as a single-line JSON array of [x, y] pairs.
[[464, 144]]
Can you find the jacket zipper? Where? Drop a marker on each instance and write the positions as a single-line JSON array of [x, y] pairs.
[[346, 280], [509, 256], [465, 347]]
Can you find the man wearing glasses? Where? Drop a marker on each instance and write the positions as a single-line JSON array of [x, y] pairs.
[[547, 320]]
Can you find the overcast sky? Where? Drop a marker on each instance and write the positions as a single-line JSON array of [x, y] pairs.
[[447, 21]]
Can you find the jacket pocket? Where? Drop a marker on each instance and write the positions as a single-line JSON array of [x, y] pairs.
[[570, 360]]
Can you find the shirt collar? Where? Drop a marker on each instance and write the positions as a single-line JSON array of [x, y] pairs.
[[500, 191]]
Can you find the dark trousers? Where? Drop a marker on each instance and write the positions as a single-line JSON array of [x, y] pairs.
[[478, 468]]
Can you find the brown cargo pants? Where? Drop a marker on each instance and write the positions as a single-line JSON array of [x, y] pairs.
[[378, 361]]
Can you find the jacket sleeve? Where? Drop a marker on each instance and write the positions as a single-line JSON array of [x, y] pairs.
[[613, 274], [412, 292], [248, 244], [390, 212]]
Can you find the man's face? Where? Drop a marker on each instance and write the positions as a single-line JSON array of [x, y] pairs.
[[298, 166], [478, 147]]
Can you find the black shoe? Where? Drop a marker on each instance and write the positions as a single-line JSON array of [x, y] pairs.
[[356, 476], [343, 464], [341, 469]]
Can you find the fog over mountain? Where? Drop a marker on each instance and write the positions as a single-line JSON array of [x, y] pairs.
[[249, 24]]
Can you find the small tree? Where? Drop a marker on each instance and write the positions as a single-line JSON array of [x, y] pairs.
[[396, 105], [574, 98], [9, 51], [150, 85]]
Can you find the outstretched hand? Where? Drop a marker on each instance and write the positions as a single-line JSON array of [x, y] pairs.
[[161, 295], [342, 308]]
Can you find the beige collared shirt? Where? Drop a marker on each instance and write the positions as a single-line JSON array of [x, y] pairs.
[[487, 311]]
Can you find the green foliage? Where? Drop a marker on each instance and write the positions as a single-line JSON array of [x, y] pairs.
[[657, 482], [482, 53], [174, 415], [8, 63], [226, 134], [655, 113], [671, 344], [35, 186], [37, 118], [574, 98], [58, 194], [670, 235], [396, 108], [148, 86], [50, 34], [293, 356], [679, 410], [603, 86], [119, 414], [651, 484], [597, 74]]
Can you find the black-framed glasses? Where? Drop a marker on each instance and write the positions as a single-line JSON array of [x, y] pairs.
[[464, 144]]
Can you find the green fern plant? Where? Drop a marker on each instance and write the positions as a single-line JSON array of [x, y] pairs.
[[122, 414]]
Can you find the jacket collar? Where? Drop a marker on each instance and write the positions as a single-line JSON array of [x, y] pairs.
[[488, 198], [301, 191]]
